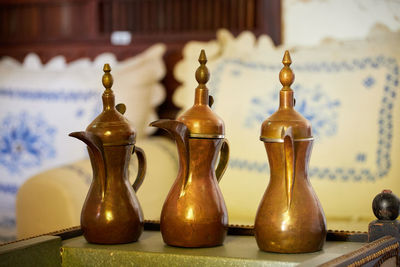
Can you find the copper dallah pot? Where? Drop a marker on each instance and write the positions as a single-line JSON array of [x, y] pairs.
[[194, 213], [290, 218], [111, 213]]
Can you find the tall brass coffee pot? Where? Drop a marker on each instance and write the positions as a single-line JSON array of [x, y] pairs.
[[111, 213], [290, 218], [194, 213]]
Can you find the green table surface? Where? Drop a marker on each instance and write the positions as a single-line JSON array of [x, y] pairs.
[[150, 250], [39, 251]]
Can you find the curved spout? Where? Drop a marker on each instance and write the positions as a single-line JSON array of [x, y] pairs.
[[290, 159], [180, 133], [96, 155]]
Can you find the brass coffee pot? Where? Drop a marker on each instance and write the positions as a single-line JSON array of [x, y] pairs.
[[290, 218], [111, 213], [194, 213]]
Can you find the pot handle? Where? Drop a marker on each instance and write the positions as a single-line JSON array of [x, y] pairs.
[[142, 166], [290, 159], [223, 160]]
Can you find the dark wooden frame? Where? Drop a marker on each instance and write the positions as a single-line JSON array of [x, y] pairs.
[[82, 28], [375, 253]]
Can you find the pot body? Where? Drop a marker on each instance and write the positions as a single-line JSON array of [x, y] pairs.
[[111, 213], [194, 213], [297, 225]]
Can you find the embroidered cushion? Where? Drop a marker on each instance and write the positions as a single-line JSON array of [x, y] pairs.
[[348, 91], [41, 103]]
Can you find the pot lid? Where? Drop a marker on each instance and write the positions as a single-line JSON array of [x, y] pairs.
[[201, 121], [110, 125], [286, 116]]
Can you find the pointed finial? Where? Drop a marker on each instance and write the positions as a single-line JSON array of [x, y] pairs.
[[286, 59], [202, 74], [107, 77], [286, 76]]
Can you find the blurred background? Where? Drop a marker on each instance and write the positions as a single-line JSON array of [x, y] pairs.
[[79, 29]]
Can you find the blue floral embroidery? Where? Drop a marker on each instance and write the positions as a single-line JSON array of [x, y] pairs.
[[80, 113], [8, 189], [369, 82], [385, 117], [62, 95], [248, 165], [93, 113], [361, 157], [25, 141], [315, 105]]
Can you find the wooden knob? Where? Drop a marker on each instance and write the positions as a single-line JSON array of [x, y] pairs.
[[386, 205]]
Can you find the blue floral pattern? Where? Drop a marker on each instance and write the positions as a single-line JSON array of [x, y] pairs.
[[315, 105], [324, 124], [33, 137], [25, 141], [369, 82]]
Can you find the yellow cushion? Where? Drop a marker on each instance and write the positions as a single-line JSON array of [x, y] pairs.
[[347, 90]]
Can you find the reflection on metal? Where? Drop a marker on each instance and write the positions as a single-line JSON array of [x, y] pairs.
[[194, 213], [290, 218], [111, 213]]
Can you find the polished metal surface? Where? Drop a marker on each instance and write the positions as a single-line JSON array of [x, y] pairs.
[[281, 140], [290, 218], [286, 115], [194, 213], [110, 125], [200, 119], [209, 136], [111, 213]]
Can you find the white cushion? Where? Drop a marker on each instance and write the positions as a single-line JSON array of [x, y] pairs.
[[41, 103], [349, 92]]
